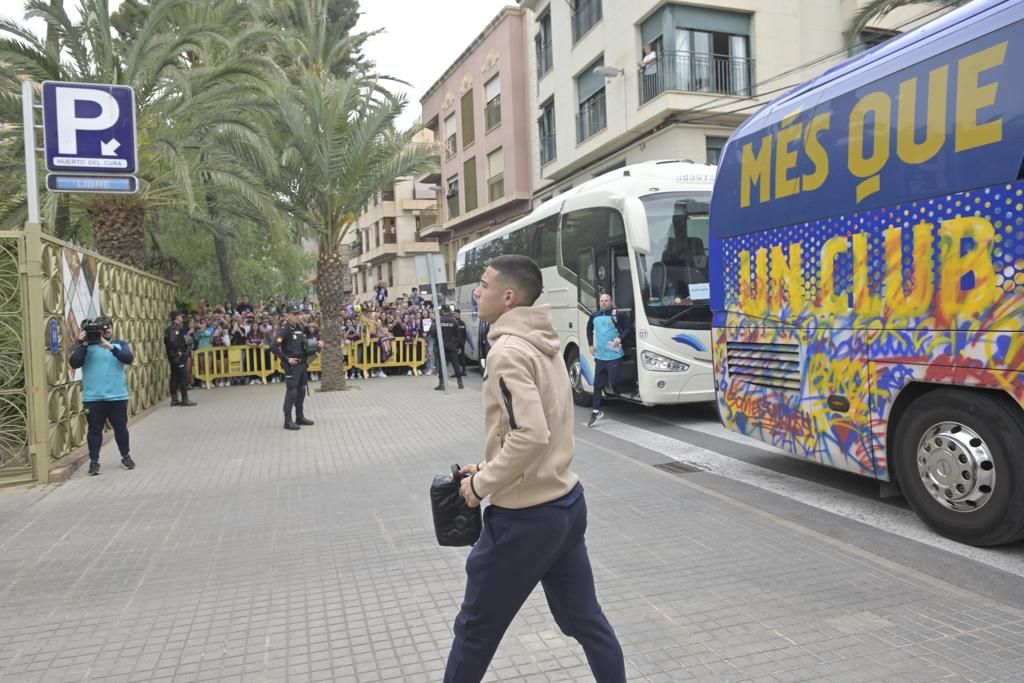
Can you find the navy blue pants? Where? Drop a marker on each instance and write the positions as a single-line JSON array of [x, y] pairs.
[[606, 372], [517, 549], [99, 413]]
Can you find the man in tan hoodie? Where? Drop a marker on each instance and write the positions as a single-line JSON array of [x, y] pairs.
[[534, 527]]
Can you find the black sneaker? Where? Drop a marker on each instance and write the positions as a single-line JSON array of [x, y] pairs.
[[94, 468], [594, 417], [127, 462]]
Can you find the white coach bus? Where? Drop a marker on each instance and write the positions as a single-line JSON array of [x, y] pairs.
[[639, 233]]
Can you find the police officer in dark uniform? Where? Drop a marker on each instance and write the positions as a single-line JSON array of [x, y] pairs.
[[176, 345], [451, 337], [291, 346]]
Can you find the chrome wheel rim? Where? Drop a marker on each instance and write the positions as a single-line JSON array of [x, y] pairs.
[[576, 375], [956, 466]]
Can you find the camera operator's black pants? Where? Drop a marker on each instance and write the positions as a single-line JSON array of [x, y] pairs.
[[99, 413], [179, 376], [296, 382]]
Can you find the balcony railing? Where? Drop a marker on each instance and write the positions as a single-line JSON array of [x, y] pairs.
[[545, 59], [390, 234], [592, 118], [452, 204], [696, 72], [492, 113], [547, 148], [588, 13]]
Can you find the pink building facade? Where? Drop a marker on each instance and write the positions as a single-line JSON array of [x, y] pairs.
[[480, 114]]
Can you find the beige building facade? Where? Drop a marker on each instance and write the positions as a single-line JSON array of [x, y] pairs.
[[713, 64], [388, 237]]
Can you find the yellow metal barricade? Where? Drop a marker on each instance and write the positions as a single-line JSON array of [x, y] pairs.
[[366, 355], [239, 362]]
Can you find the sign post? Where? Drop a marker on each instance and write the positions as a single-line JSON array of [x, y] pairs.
[[89, 137], [427, 267]]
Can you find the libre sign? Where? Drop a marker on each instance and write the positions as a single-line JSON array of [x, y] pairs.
[[89, 128]]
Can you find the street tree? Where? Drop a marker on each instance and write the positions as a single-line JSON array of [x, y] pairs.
[[877, 9], [340, 149]]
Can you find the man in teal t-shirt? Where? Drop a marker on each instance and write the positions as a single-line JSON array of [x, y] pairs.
[[105, 385], [607, 329]]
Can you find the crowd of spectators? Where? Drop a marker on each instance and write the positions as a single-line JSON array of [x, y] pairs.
[[374, 320]]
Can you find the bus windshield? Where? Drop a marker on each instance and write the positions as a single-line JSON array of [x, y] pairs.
[[674, 276]]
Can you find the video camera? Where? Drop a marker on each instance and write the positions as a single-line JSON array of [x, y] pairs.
[[94, 329]]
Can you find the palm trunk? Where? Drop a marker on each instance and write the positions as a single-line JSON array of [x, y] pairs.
[[331, 271], [62, 221], [220, 244], [118, 228]]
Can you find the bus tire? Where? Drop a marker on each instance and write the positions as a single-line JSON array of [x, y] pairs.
[[958, 461], [580, 396]]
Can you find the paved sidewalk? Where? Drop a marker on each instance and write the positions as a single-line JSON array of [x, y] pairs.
[[238, 551]]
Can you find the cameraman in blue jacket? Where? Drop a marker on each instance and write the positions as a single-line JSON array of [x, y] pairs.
[[105, 383]]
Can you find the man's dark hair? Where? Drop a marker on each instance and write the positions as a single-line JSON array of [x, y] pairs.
[[523, 273]]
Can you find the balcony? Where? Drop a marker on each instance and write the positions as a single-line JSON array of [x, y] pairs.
[[592, 118], [588, 13], [545, 59], [547, 148], [492, 113], [697, 72]]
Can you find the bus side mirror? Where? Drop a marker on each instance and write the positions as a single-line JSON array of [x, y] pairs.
[[635, 216]]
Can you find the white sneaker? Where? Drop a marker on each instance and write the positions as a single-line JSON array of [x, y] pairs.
[[594, 417]]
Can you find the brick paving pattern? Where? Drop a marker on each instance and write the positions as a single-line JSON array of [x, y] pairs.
[[237, 551]]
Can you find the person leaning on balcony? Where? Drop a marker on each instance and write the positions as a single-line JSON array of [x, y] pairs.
[[649, 68]]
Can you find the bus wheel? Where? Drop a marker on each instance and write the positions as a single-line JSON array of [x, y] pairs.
[[958, 461], [580, 396]]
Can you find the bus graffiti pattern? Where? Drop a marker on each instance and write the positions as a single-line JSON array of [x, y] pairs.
[[931, 291]]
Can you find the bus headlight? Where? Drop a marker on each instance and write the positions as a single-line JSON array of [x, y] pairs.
[[656, 362]]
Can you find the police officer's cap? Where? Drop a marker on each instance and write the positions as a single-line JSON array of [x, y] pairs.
[[292, 308], [175, 313]]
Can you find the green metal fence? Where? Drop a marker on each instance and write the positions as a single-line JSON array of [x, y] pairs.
[[46, 288]]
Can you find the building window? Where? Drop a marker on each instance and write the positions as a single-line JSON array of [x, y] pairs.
[[492, 110], [586, 14], [495, 175], [696, 50], [592, 116], [546, 132], [391, 275], [452, 196], [450, 131], [469, 177], [468, 129], [376, 234], [714, 147], [870, 38], [542, 41]]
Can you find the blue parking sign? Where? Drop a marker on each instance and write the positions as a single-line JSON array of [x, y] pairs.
[[89, 128]]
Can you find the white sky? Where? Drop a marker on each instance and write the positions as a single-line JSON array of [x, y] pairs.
[[422, 38]]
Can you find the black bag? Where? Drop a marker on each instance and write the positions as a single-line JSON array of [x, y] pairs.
[[455, 523]]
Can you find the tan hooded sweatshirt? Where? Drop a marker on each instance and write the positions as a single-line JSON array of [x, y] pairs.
[[528, 413]]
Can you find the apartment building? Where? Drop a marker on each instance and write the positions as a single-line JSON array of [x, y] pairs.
[[601, 104], [480, 110], [389, 235]]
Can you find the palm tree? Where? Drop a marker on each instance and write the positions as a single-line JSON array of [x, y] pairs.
[[341, 148], [876, 9], [190, 129]]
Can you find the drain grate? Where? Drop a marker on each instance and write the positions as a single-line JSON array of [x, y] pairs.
[[676, 467]]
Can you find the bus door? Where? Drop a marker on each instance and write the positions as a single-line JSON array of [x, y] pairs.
[[622, 294]]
